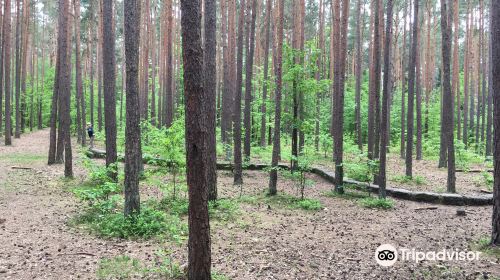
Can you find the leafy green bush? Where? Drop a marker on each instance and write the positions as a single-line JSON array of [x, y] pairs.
[[484, 180], [403, 179], [105, 218], [98, 174], [221, 209], [224, 209], [148, 223], [310, 204], [96, 193], [362, 169], [175, 206], [372, 202]]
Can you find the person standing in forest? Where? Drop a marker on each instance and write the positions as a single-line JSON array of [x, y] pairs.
[[90, 132]]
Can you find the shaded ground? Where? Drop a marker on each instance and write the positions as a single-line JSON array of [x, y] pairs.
[[266, 242], [429, 176]]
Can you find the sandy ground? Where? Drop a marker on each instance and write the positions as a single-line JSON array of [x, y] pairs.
[[337, 242]]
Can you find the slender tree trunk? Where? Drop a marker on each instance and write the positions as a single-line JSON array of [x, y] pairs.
[[411, 90], [340, 20], [2, 59], [489, 112], [6, 41], [168, 109], [455, 85], [229, 84], [403, 89], [64, 86], [78, 67], [248, 80], [447, 124], [18, 70], [209, 91], [495, 71], [40, 105], [465, 134], [154, 52], [133, 158], [418, 107], [384, 141], [374, 17], [99, 66], [377, 76], [109, 76], [319, 72], [358, 77], [484, 58], [238, 173], [263, 108], [273, 178], [199, 260]]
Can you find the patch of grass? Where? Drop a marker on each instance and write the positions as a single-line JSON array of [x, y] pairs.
[[375, 202], [437, 272], [484, 245], [106, 219], [163, 267], [125, 267], [283, 200], [289, 201], [485, 179], [310, 204], [224, 209], [219, 276], [358, 171], [178, 206], [248, 199], [17, 158], [350, 192], [415, 180]]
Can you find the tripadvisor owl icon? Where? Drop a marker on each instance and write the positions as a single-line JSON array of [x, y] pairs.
[[386, 255]]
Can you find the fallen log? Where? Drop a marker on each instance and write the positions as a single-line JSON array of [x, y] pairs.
[[426, 208], [21, 167]]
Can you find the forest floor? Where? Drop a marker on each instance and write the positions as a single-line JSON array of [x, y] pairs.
[[265, 241], [426, 175]]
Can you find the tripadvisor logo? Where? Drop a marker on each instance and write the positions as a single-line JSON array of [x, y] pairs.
[[387, 255]]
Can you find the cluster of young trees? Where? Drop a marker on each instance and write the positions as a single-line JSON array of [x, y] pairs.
[[288, 67]]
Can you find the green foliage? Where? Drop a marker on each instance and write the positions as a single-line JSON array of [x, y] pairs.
[[484, 245], [350, 192], [403, 179], [125, 267], [224, 209], [167, 144], [362, 169], [98, 174], [106, 219], [288, 201], [310, 204], [380, 203], [148, 223], [175, 206], [97, 193], [485, 179], [298, 175]]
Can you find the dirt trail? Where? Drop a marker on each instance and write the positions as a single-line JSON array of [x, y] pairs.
[[35, 241], [337, 242]]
